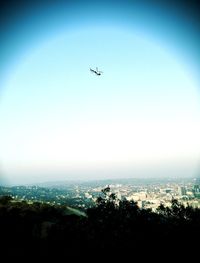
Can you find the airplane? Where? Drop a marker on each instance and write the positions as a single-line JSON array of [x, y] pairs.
[[97, 72]]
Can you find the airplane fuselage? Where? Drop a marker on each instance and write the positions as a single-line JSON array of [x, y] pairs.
[[96, 72]]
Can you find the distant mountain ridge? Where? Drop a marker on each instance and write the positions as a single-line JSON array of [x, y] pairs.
[[103, 182]]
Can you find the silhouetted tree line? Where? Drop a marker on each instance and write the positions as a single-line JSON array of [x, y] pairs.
[[113, 227]]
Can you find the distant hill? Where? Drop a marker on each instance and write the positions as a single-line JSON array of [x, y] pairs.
[[104, 182]]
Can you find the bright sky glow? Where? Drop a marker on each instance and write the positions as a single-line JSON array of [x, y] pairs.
[[57, 117]]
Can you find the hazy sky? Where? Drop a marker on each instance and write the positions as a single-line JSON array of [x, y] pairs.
[[140, 118]]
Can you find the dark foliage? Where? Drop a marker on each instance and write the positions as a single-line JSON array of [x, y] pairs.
[[113, 227]]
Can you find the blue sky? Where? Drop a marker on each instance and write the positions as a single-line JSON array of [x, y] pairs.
[[140, 118]]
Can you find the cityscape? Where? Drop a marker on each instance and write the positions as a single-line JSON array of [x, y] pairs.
[[148, 193]]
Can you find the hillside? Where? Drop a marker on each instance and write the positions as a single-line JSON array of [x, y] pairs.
[[115, 228]]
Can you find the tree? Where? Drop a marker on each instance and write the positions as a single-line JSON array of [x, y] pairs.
[[5, 199]]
